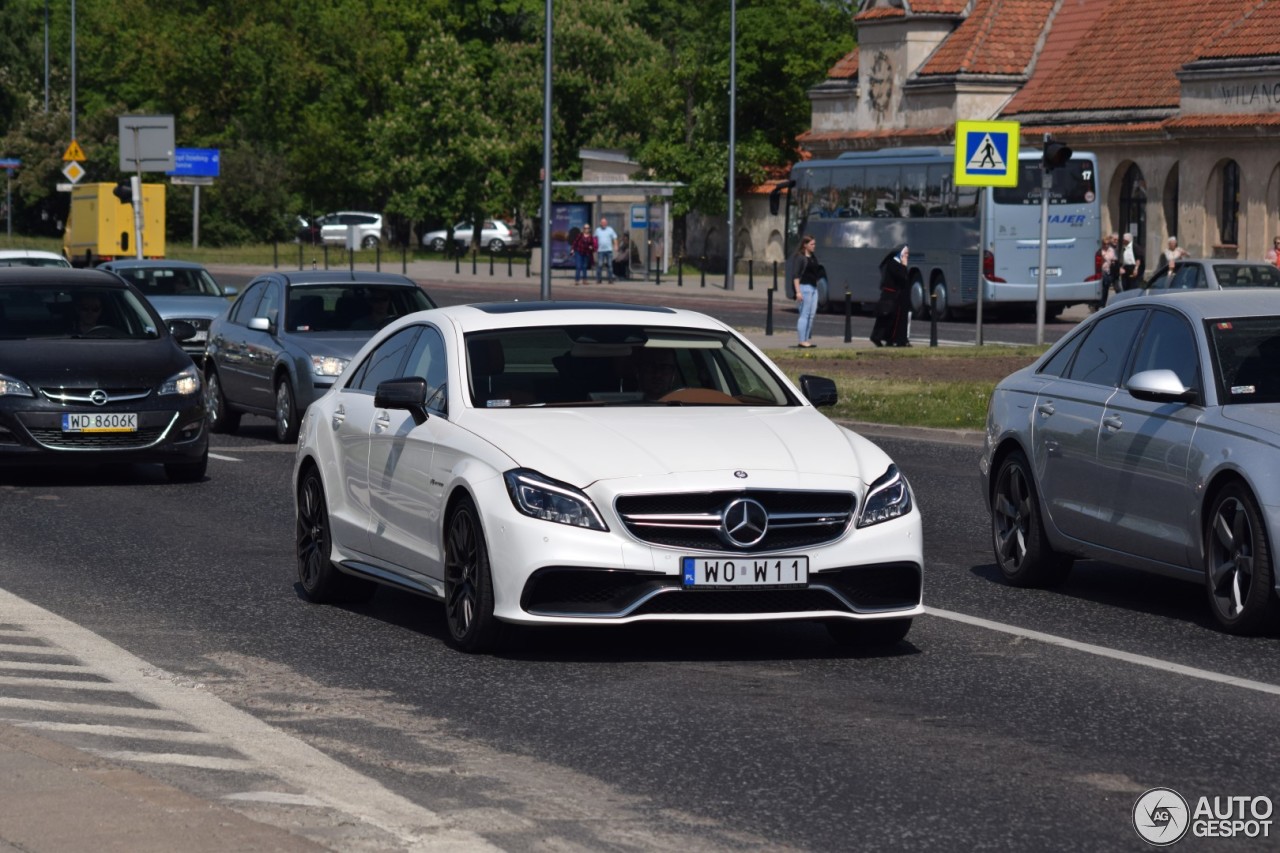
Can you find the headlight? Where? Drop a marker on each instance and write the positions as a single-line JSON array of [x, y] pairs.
[[538, 497], [185, 383], [328, 365], [16, 387], [888, 497]]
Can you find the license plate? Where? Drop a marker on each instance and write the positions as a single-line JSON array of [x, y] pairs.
[[721, 572], [1048, 271], [100, 422], [200, 335]]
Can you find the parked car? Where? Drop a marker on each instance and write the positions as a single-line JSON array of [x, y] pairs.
[[308, 232], [179, 290], [1206, 274], [368, 228], [32, 258], [90, 373], [538, 464], [495, 235], [1148, 438], [290, 335]]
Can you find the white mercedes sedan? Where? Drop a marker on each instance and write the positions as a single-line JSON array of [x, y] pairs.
[[538, 463]]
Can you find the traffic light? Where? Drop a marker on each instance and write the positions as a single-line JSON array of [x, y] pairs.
[[124, 191], [1056, 155]]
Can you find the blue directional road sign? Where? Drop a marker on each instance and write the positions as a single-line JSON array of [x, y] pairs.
[[10, 163], [987, 153], [195, 162]]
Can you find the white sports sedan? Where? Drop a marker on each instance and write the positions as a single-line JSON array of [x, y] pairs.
[[577, 463]]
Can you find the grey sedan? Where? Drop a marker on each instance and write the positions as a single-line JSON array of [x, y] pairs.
[[1206, 274], [1149, 437], [290, 335], [179, 290]]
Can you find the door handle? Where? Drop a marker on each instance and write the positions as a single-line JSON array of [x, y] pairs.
[[1113, 423], [1045, 409], [339, 415], [382, 422]]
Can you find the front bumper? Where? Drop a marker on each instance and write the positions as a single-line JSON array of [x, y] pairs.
[[33, 435]]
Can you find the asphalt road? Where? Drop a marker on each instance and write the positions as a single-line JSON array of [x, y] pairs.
[[662, 737]]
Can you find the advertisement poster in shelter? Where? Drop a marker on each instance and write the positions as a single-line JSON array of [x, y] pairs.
[[568, 219]]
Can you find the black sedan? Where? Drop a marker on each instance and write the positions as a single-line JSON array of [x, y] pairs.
[[89, 372], [290, 335]]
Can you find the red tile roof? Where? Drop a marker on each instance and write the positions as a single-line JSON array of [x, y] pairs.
[[922, 135], [878, 12], [998, 37], [1223, 122], [846, 68], [1253, 35], [1128, 57], [937, 7]]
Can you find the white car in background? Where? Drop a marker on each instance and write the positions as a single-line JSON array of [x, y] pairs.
[[495, 235], [32, 258], [335, 228], [535, 464]]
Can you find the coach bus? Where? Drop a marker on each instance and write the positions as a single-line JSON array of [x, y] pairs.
[[861, 204]]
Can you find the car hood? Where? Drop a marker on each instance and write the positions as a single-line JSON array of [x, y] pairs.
[[582, 446], [187, 307], [343, 344], [92, 363], [1257, 417]]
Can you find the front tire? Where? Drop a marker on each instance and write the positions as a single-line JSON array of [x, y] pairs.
[[286, 412], [321, 581], [496, 245], [369, 242], [222, 418], [437, 245], [468, 583], [1239, 578], [1022, 549]]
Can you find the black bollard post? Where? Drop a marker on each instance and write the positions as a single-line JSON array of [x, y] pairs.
[[775, 275], [491, 265], [473, 261], [933, 319], [768, 317], [703, 262], [457, 263], [508, 263], [326, 256], [751, 274], [657, 274], [275, 255], [300, 261], [377, 256], [404, 259], [528, 266], [351, 261], [848, 317], [680, 272]]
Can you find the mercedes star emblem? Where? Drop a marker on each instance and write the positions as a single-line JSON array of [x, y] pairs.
[[745, 521]]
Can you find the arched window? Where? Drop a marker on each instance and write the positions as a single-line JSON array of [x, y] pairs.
[[1133, 204], [1229, 218]]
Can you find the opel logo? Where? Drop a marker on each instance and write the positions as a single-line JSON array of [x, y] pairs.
[[98, 397], [741, 475], [744, 522]]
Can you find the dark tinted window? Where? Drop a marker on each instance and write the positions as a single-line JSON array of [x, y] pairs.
[[1168, 344], [1057, 363], [1072, 184], [248, 304], [428, 361], [270, 305], [385, 362], [1103, 352], [1246, 352]]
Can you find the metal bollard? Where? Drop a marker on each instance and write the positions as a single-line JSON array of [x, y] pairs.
[[351, 261], [775, 275], [491, 265], [508, 264], [377, 256], [933, 319], [848, 316], [657, 274], [528, 266], [457, 263], [768, 317], [300, 261], [703, 263], [404, 259], [326, 256], [751, 274], [473, 261], [680, 272]]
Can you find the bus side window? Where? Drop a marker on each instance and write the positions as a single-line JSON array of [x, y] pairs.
[[966, 201]]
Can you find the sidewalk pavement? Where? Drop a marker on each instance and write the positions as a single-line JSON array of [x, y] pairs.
[[58, 799]]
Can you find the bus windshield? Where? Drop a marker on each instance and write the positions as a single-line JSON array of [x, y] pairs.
[[1072, 184]]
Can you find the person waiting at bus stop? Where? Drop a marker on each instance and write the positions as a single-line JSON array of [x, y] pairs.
[[893, 311]]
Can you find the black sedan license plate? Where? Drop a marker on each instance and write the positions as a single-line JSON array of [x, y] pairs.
[[756, 572], [100, 422]]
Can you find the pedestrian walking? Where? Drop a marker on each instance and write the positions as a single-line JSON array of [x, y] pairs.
[[806, 272], [606, 238], [893, 311], [1108, 263]]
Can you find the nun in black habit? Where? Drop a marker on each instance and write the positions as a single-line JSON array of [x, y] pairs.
[[893, 311]]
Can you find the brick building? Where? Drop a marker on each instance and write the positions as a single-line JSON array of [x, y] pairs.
[[1179, 99]]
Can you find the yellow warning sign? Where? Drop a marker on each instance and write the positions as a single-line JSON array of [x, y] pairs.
[[74, 152]]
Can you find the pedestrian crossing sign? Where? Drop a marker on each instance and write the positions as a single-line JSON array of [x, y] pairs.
[[987, 153]]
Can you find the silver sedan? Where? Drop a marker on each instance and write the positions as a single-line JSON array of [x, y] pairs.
[[1149, 438]]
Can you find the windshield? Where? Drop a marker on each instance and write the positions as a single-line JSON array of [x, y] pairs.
[[1246, 352], [34, 261], [617, 366], [173, 281], [73, 312], [343, 307], [1072, 184], [1246, 275]]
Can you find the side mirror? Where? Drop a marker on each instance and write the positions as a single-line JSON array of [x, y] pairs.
[[819, 390], [1159, 386], [408, 393], [260, 324], [229, 291], [182, 330]]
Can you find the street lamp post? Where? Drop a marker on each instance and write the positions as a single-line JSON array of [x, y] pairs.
[[733, 96], [546, 156]]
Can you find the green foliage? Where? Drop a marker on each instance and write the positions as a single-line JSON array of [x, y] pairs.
[[429, 110]]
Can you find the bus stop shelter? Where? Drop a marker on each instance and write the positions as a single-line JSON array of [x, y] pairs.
[[656, 248]]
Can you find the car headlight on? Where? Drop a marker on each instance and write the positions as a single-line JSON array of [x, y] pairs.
[[888, 497], [328, 365], [15, 387], [538, 497], [186, 382]]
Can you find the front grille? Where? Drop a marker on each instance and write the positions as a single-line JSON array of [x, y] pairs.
[[56, 439], [84, 395], [694, 520], [560, 591]]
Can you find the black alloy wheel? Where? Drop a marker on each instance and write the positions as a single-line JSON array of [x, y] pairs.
[[1022, 549], [1239, 577], [468, 585], [321, 581]]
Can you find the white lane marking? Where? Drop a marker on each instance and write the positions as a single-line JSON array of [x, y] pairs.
[[133, 732], [35, 666], [204, 762], [288, 758], [63, 683], [224, 458], [87, 708], [1103, 651]]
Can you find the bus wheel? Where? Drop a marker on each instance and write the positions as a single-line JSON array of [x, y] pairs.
[[919, 301], [941, 306]]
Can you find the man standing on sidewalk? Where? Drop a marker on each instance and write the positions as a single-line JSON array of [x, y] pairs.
[[605, 239]]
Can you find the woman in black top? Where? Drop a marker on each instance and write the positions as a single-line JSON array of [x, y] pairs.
[[805, 273], [894, 308]]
